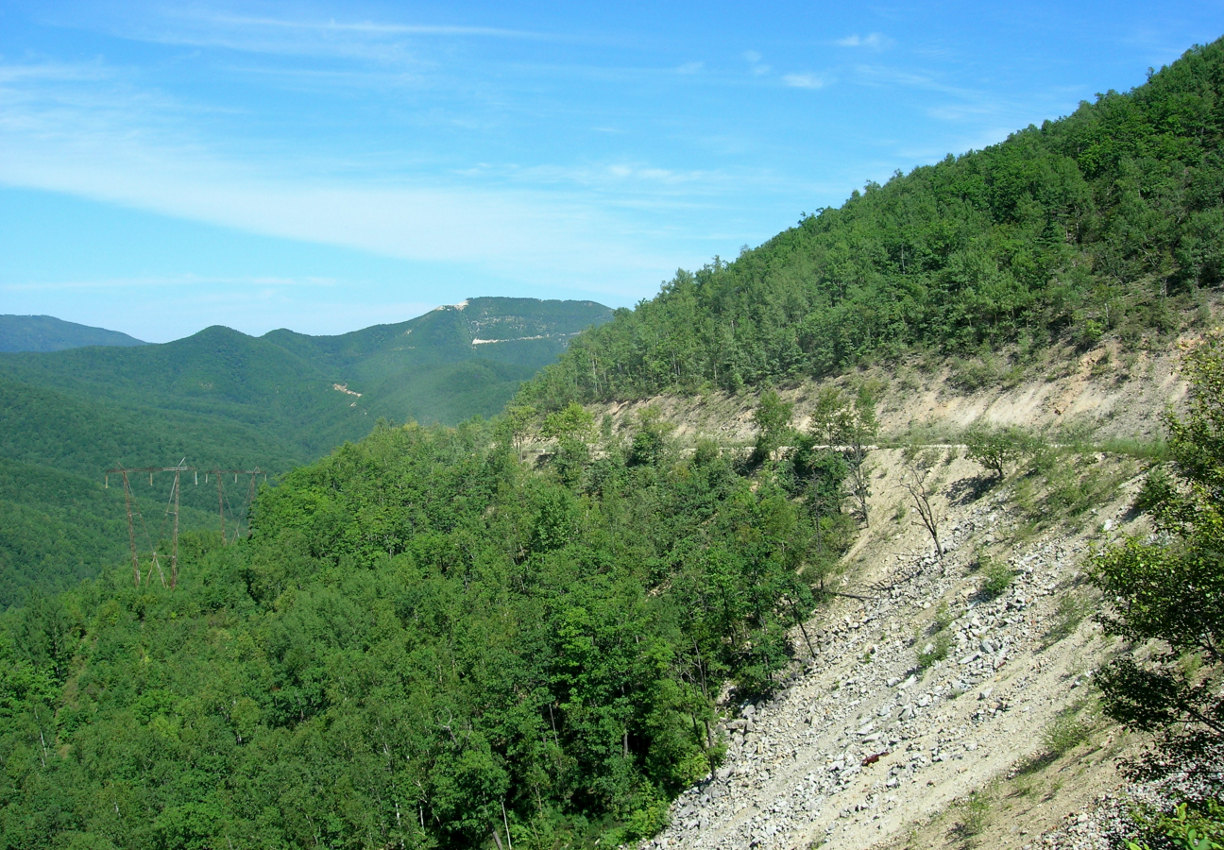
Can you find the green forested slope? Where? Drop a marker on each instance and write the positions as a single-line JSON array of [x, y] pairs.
[[46, 333], [422, 643], [426, 643], [221, 399], [1108, 220]]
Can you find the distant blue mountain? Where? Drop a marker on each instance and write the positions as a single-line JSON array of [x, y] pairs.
[[47, 333]]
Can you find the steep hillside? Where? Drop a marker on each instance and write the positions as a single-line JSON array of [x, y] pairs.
[[1107, 221], [1100, 394], [943, 700]]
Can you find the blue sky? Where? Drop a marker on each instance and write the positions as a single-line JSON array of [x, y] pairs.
[[325, 166]]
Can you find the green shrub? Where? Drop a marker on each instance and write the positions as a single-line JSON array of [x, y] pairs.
[[998, 448], [974, 813], [935, 649], [1191, 825], [997, 576], [1065, 732]]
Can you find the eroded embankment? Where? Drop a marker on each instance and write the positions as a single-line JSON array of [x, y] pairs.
[[865, 745]]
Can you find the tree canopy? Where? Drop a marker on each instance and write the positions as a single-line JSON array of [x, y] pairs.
[[1169, 587], [1110, 220], [423, 643]]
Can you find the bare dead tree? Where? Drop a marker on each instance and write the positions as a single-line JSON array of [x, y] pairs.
[[915, 481]]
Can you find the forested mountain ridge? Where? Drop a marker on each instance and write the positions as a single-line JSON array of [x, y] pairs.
[[287, 381], [428, 643], [222, 399], [46, 333], [1110, 220]]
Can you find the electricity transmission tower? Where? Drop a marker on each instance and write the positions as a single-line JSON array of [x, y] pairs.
[[172, 510]]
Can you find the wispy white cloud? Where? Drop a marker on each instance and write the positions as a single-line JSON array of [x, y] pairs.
[[372, 27], [160, 282], [804, 81], [755, 63], [871, 41], [51, 72], [888, 77], [86, 143], [360, 40]]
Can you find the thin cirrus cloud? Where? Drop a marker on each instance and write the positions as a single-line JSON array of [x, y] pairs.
[[162, 282], [871, 41], [361, 40], [804, 81], [124, 144], [423, 223]]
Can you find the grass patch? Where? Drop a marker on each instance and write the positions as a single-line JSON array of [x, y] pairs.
[[1064, 483], [1156, 449], [973, 814], [1072, 609], [934, 649], [1066, 732]]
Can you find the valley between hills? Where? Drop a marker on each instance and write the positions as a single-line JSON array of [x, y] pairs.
[[898, 530]]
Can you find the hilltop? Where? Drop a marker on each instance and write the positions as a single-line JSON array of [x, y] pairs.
[[47, 333], [222, 399]]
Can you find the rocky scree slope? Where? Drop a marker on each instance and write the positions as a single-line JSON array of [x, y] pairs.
[[863, 745]]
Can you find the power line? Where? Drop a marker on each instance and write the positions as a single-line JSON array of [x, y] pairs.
[[172, 508]]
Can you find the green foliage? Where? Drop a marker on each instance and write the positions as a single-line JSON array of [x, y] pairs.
[[1066, 732], [223, 400], [998, 448], [936, 648], [1191, 825], [45, 333], [422, 643], [848, 423], [1169, 587], [1072, 608], [1107, 222], [974, 813], [772, 419], [996, 575]]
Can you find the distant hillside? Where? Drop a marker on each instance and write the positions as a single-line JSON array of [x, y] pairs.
[[224, 400], [46, 333], [1107, 222], [429, 640], [451, 363]]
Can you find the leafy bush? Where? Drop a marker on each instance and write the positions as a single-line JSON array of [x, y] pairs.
[[998, 448], [935, 649], [1168, 587], [997, 576], [1191, 825]]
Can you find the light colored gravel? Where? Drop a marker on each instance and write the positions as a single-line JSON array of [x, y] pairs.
[[861, 746]]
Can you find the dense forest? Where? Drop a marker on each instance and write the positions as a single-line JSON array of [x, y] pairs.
[[222, 400], [1108, 220], [423, 643], [47, 333], [428, 642]]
